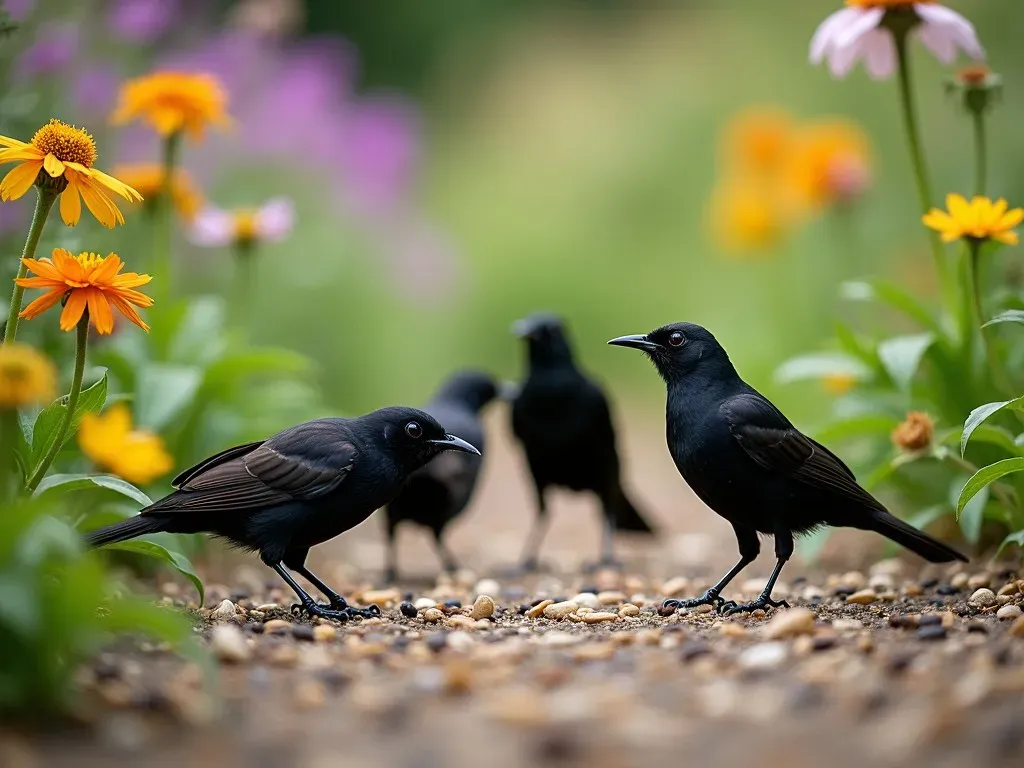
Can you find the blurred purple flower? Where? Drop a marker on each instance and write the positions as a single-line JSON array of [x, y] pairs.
[[380, 153], [142, 21], [19, 10], [94, 89], [53, 50], [14, 215]]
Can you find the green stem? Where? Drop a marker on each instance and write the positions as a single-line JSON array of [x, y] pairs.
[[9, 429], [972, 289], [910, 124], [82, 341], [164, 221], [980, 153], [45, 199], [244, 282]]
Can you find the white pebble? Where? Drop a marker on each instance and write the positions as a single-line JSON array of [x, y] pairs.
[[560, 610], [763, 656], [588, 600], [982, 598], [229, 644], [1009, 612], [224, 611], [423, 603], [487, 587], [795, 621]]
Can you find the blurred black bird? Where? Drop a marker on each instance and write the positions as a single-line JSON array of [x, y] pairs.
[[562, 419], [438, 492], [301, 487], [746, 461]]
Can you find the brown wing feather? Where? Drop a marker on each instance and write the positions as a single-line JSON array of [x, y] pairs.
[[770, 440]]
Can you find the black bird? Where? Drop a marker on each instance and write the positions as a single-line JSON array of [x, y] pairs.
[[301, 487], [563, 421], [437, 493], [746, 461]]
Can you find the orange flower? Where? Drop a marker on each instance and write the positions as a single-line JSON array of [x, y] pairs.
[[148, 178], [172, 102], [66, 154], [758, 141], [90, 282], [831, 163]]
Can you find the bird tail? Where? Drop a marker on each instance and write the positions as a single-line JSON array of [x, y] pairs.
[[908, 536], [628, 517], [124, 530]]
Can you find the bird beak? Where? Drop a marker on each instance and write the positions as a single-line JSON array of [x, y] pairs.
[[522, 328], [637, 341], [453, 443], [508, 391]]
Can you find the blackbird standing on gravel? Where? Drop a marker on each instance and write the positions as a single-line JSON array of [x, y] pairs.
[[437, 493], [746, 461], [299, 488], [562, 419]]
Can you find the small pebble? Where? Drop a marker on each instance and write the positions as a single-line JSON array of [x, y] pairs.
[[1009, 612], [847, 625], [303, 632], [611, 597], [408, 610], [666, 610], [229, 645], [629, 610], [929, 620], [959, 580], [380, 596], [979, 580], [483, 607], [587, 600], [433, 615], [931, 632], [790, 623], [324, 633], [862, 597], [904, 620], [977, 627], [982, 598], [224, 611], [1017, 628], [277, 625], [436, 641], [598, 616], [693, 649], [267, 607], [310, 694], [732, 629], [763, 656], [675, 586], [538, 610], [561, 610], [1009, 589], [487, 587], [461, 621]]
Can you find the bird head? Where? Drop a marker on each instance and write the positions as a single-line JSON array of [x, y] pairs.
[[679, 349], [473, 389], [415, 437], [546, 338]]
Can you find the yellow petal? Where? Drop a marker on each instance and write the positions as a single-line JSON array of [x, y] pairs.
[[1010, 238], [19, 179], [1012, 219], [70, 204], [53, 166], [128, 311], [937, 219], [99, 311], [6, 141], [950, 236], [101, 206], [73, 310]]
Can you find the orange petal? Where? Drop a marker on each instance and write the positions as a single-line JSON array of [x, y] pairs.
[[40, 282], [19, 179], [99, 311], [103, 274], [130, 280], [53, 166], [69, 267], [70, 203], [134, 297], [101, 206], [73, 310], [43, 303], [128, 311], [43, 268]]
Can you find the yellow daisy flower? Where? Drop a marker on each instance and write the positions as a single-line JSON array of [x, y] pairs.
[[977, 220], [746, 216], [838, 383], [87, 281], [758, 141], [172, 102], [27, 377], [148, 178], [109, 441], [62, 156]]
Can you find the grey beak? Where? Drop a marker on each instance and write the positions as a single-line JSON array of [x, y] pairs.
[[508, 390], [637, 341], [522, 328], [453, 443]]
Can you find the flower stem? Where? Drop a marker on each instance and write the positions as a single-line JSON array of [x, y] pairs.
[[82, 340], [244, 282], [164, 220], [980, 153], [45, 199], [972, 288], [910, 124], [9, 474]]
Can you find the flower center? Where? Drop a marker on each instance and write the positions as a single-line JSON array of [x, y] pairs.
[[15, 371], [65, 142], [89, 260], [887, 3], [976, 75], [245, 225]]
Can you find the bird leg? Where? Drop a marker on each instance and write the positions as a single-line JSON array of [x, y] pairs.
[[448, 561], [608, 559], [529, 563], [339, 609], [391, 569], [713, 595], [764, 602]]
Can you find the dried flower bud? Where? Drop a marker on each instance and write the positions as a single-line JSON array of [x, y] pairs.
[[977, 86], [915, 432]]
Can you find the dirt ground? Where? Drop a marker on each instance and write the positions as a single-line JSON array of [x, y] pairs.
[[879, 662]]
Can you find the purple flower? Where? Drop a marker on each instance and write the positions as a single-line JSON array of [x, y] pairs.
[[380, 154], [19, 10], [94, 89], [142, 21], [53, 50]]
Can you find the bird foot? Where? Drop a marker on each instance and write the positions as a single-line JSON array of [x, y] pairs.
[[342, 612], [608, 562], [710, 597], [764, 602]]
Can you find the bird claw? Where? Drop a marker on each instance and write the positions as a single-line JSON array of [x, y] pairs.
[[342, 612], [708, 598], [764, 602]]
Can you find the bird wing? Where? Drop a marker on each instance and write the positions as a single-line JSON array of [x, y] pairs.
[[304, 462], [770, 440]]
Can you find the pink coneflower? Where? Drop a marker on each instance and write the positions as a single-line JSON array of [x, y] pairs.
[[216, 228], [861, 32]]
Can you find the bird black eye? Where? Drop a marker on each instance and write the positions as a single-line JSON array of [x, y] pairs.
[[676, 339], [414, 430]]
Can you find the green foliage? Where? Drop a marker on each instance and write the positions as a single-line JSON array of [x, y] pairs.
[[57, 607]]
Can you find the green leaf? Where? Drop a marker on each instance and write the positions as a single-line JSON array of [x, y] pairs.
[[984, 433], [981, 413], [1017, 537], [199, 340], [164, 391], [860, 425], [891, 294], [985, 477], [820, 365], [177, 560], [72, 482], [236, 367], [901, 356], [46, 426], [1009, 316]]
